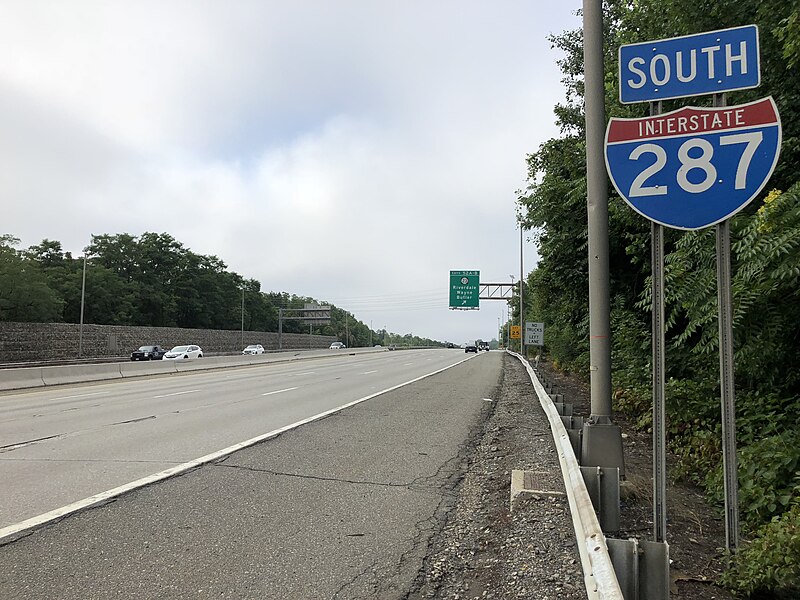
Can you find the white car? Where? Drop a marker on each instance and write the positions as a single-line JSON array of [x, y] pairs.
[[184, 352], [337, 346], [254, 349]]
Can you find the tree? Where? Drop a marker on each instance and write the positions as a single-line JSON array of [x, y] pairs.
[[24, 294]]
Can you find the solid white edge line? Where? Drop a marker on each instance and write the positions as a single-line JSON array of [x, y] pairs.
[[58, 513], [599, 576]]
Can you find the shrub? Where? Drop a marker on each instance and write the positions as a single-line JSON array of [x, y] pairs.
[[770, 563]]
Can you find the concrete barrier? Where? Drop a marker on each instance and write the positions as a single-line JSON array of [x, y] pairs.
[[18, 379], [215, 362], [80, 373], [149, 367], [29, 377]]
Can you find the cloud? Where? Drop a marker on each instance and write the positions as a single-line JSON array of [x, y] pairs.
[[351, 151]]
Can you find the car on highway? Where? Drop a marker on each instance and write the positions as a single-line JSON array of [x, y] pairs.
[[337, 346], [470, 348], [148, 353], [254, 349], [184, 353]]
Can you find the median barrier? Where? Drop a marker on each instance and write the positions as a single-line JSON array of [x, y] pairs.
[[149, 367], [17, 379], [215, 362], [29, 377], [80, 373]]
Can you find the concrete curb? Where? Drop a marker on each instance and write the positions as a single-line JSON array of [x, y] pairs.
[[598, 572]]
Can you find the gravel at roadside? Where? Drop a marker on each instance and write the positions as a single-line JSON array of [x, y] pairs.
[[486, 551]]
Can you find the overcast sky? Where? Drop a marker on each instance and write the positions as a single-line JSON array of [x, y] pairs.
[[352, 151]]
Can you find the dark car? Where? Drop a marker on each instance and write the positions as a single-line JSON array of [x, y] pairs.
[[148, 353], [471, 348]]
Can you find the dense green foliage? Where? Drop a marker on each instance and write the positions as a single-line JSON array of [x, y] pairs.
[[766, 284], [154, 280]]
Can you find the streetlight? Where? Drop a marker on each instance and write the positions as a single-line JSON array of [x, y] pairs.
[[83, 298], [242, 316], [511, 312]]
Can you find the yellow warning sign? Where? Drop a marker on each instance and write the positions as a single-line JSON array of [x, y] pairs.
[[515, 332]]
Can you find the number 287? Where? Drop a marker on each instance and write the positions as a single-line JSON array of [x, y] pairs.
[[689, 163]]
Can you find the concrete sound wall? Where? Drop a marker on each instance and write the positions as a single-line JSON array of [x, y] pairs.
[[22, 342]]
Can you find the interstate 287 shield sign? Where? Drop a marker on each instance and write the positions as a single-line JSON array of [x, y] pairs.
[[694, 167]]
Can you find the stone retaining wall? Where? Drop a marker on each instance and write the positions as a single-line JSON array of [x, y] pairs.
[[22, 342]]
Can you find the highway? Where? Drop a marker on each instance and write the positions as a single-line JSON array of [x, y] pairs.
[[342, 507], [63, 444]]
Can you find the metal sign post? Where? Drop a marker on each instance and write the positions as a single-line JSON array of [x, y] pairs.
[[727, 388]]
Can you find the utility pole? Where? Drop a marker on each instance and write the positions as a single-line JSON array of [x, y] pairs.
[[602, 440]]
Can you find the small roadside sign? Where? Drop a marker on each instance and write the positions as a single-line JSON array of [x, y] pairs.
[[693, 65], [464, 290], [534, 334], [694, 167], [515, 332]]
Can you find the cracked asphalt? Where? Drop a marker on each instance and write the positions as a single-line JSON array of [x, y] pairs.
[[345, 507]]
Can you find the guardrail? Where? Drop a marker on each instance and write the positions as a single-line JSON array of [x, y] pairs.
[[598, 572]]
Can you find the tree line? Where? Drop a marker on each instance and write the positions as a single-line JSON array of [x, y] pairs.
[[154, 280], [765, 284]]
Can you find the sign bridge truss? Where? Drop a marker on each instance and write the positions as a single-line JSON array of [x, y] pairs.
[[497, 291]]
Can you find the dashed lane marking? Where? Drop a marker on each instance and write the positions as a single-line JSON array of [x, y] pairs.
[[176, 394], [279, 391]]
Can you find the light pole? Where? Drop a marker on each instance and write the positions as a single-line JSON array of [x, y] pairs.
[[511, 311], [83, 298], [521, 280], [602, 440], [242, 316]]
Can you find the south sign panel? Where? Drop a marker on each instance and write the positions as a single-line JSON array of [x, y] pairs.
[[694, 167]]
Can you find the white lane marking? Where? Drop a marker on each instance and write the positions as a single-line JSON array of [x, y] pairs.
[[78, 396], [369, 372], [488, 400], [279, 391], [407, 364], [176, 394], [308, 373], [102, 497]]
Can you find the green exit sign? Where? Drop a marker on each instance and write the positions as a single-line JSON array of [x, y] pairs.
[[464, 289]]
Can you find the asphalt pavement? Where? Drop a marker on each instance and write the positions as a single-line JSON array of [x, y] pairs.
[[343, 507]]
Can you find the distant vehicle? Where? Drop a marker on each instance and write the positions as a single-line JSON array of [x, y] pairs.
[[377, 346], [254, 349], [471, 348], [184, 353], [337, 346], [450, 345], [148, 353], [482, 345]]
